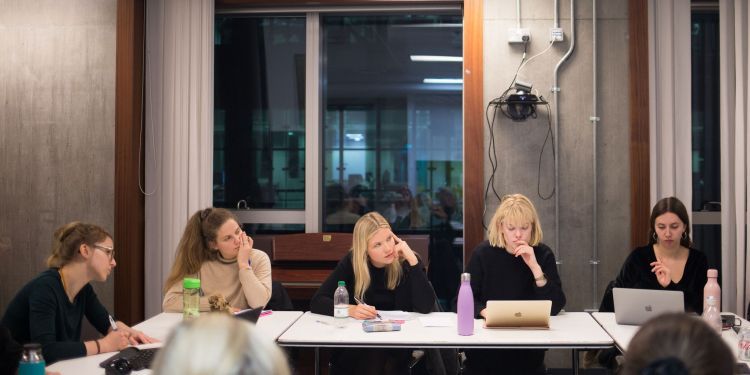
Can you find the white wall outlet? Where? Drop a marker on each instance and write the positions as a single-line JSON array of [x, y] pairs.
[[518, 35], [556, 34]]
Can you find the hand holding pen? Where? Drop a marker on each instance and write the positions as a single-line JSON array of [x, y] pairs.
[[364, 311]]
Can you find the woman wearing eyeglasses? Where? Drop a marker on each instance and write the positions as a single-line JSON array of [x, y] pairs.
[[216, 250], [49, 310]]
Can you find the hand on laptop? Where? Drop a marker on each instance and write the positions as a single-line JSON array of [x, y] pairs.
[[114, 341], [663, 274]]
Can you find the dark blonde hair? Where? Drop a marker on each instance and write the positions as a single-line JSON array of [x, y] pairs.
[[69, 238], [193, 249], [518, 209], [677, 340], [364, 229]]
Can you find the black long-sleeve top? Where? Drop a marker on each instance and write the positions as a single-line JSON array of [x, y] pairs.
[[42, 313], [413, 292], [499, 275], [636, 273]]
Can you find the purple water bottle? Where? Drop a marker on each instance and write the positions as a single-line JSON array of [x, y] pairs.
[[465, 307]]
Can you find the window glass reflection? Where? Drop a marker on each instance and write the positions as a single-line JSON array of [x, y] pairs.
[[392, 143], [259, 126]]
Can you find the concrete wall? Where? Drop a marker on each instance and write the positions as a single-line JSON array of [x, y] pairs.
[[519, 143], [57, 106]]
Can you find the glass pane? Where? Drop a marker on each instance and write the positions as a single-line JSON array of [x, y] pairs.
[[259, 118], [393, 144], [705, 111]]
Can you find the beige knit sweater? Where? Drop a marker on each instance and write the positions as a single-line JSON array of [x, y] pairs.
[[221, 277]]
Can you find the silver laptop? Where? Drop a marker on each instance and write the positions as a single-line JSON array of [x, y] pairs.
[[636, 306], [518, 314]]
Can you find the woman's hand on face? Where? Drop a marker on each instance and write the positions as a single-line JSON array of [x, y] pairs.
[[663, 274], [526, 253], [246, 246], [404, 251], [362, 311]]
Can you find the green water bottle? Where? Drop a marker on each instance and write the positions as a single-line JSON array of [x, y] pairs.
[[191, 298]]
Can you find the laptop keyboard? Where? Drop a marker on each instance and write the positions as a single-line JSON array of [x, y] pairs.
[[138, 358]]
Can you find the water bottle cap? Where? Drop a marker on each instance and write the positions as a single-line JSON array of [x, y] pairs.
[[342, 283], [713, 272], [32, 346], [465, 276], [191, 283]]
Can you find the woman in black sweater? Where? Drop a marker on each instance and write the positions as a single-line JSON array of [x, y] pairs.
[[668, 262], [49, 310], [512, 265], [384, 273]]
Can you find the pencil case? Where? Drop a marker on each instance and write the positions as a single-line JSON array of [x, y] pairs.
[[380, 326]]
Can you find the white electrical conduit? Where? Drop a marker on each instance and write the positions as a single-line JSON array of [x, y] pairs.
[[594, 124], [556, 94], [518, 14], [556, 23]]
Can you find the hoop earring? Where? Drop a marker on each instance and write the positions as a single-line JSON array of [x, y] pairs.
[[684, 235], [653, 235]]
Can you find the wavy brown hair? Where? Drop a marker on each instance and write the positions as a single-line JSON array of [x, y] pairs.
[[193, 249]]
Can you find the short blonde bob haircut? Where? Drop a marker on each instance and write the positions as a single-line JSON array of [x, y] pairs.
[[518, 210], [364, 229]]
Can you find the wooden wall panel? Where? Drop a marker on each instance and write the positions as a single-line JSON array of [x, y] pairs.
[[639, 126], [473, 125], [129, 202]]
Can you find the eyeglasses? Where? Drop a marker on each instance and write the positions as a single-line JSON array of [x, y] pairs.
[[110, 251]]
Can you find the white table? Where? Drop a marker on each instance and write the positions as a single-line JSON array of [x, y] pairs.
[[159, 327], [572, 330], [623, 333]]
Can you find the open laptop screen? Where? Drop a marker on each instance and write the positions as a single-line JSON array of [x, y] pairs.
[[636, 306]]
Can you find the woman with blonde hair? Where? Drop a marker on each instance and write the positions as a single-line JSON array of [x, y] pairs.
[[513, 264], [49, 310], [219, 344], [384, 273], [215, 250]]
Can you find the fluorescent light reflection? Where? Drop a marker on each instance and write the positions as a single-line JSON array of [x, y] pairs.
[[444, 80], [432, 58]]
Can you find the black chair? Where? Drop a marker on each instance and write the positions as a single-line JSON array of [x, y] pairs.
[[280, 300]]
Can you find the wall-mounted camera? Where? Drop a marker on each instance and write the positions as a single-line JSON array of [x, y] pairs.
[[521, 104]]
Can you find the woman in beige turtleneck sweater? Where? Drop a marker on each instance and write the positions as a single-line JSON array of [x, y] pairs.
[[214, 249]]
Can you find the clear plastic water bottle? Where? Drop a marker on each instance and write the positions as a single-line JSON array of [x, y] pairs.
[[743, 344], [32, 362], [712, 288], [711, 314], [465, 308], [341, 305], [191, 298]]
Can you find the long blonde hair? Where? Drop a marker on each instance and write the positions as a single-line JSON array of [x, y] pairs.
[[193, 249], [69, 238], [217, 343], [514, 208], [364, 229]]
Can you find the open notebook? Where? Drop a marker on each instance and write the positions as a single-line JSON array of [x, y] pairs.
[[636, 306], [518, 314]]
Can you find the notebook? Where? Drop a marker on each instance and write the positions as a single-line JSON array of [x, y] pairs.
[[636, 306], [518, 314], [250, 315]]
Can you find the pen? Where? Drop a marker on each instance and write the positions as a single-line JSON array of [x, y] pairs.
[[112, 323], [362, 303]]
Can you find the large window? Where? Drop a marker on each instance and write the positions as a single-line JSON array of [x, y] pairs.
[[321, 117], [705, 132]]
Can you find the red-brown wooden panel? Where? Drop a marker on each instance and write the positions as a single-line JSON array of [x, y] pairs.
[[311, 247]]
